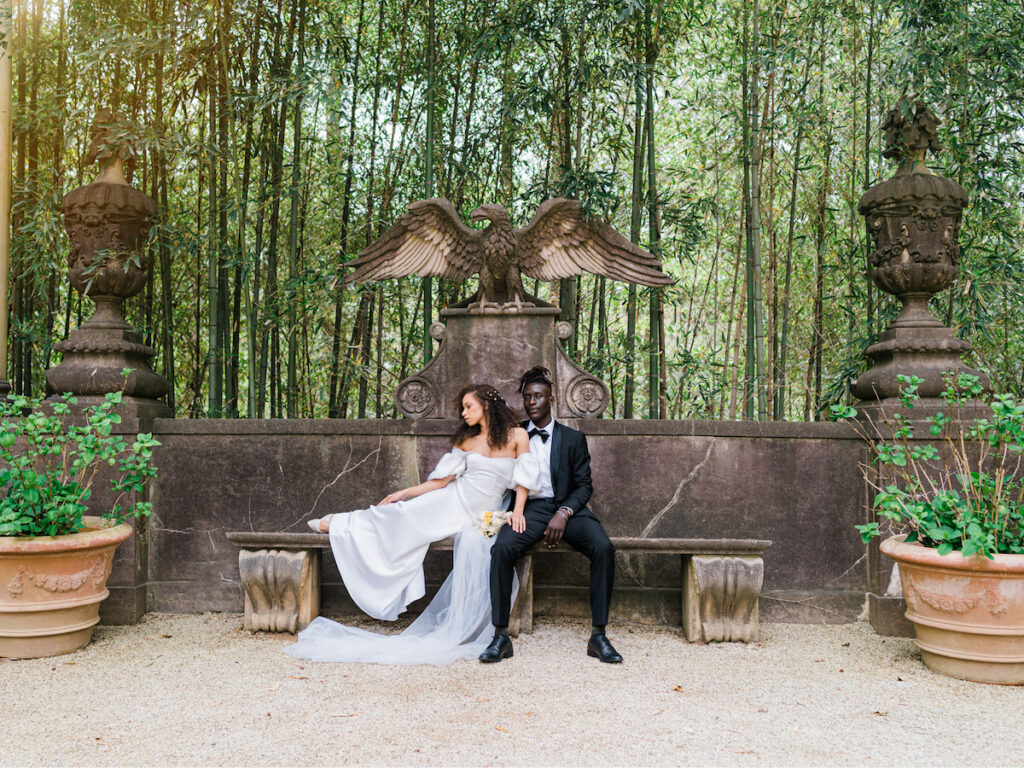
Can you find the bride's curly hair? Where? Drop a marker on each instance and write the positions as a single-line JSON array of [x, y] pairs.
[[500, 418]]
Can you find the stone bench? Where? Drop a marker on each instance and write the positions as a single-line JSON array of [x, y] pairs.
[[721, 581]]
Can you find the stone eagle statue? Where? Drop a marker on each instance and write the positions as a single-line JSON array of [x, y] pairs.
[[430, 240]]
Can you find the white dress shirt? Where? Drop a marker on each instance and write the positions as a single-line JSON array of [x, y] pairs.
[[542, 450]]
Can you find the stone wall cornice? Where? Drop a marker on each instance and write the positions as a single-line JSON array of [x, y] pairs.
[[783, 430]]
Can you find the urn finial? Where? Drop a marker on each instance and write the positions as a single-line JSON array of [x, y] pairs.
[[911, 129], [111, 147]]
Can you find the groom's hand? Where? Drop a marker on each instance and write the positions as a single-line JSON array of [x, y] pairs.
[[556, 528]]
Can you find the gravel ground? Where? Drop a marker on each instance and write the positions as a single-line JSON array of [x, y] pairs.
[[198, 690]]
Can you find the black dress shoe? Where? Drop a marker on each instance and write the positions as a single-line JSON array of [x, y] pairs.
[[500, 648], [600, 648]]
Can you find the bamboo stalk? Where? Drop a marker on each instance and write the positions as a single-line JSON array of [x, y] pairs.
[[428, 174], [5, 185]]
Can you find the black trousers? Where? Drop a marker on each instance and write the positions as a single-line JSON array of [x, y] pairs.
[[582, 532]]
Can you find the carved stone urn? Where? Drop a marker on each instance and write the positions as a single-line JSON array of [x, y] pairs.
[[913, 220], [108, 222]]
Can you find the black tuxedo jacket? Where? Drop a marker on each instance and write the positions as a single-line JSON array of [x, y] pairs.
[[570, 470]]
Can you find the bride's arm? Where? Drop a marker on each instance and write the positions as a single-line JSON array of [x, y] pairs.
[[417, 490], [517, 519]]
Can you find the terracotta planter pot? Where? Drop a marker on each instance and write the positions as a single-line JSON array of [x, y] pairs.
[[51, 588], [968, 612]]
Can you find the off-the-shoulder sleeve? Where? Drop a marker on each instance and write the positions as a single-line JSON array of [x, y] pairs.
[[526, 472], [452, 463]]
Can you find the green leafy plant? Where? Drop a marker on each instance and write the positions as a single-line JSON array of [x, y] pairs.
[[50, 461], [960, 487]]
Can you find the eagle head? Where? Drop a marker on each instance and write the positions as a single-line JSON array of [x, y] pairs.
[[489, 212]]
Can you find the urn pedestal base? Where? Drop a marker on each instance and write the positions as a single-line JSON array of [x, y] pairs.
[[927, 350], [888, 616], [95, 358]]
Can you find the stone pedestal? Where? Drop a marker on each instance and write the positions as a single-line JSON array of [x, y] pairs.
[[108, 223], [128, 599], [720, 598], [95, 357], [496, 347], [888, 616], [913, 220]]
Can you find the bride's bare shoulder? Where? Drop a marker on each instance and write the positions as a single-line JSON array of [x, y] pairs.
[[520, 439]]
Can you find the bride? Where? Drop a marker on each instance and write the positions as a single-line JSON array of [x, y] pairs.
[[380, 550]]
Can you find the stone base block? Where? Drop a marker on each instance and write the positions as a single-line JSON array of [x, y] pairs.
[[520, 620], [720, 596], [644, 605], [804, 606], [282, 588], [124, 605], [887, 616]]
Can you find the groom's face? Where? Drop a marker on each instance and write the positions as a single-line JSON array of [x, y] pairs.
[[537, 403]]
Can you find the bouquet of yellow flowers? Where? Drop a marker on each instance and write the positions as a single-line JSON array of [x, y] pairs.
[[491, 521]]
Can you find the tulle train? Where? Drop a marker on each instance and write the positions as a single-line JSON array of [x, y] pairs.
[[456, 624]]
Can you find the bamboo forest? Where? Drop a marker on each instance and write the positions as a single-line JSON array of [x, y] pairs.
[[732, 139]]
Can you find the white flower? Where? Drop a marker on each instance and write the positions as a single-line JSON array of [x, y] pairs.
[[490, 522]]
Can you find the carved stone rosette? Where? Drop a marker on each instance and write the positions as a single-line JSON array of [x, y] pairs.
[[107, 223], [416, 397], [913, 220]]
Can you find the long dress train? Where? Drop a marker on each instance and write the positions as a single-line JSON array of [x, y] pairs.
[[380, 551]]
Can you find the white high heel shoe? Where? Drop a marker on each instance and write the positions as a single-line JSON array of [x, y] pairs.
[[315, 523]]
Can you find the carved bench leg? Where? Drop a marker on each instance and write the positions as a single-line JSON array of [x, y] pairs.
[[521, 618], [720, 596], [282, 588]]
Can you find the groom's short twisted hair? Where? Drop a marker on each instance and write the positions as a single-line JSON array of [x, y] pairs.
[[536, 375]]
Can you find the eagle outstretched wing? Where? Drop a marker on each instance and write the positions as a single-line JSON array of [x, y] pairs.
[[561, 242], [429, 239]]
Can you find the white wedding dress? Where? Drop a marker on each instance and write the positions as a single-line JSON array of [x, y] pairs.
[[380, 552]]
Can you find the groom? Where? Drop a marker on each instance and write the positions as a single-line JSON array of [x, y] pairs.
[[554, 512]]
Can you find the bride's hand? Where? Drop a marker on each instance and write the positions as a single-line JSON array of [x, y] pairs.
[[391, 498], [518, 522]]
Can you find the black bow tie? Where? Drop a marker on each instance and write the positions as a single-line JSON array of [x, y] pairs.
[[543, 435]]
